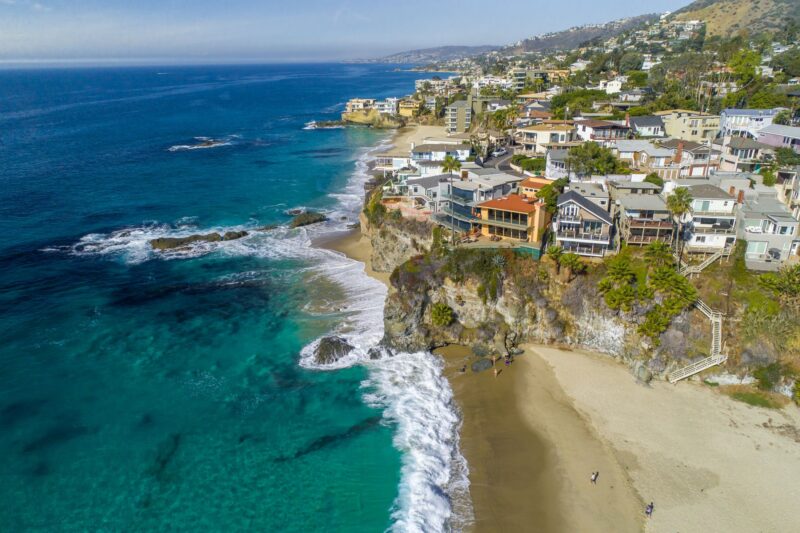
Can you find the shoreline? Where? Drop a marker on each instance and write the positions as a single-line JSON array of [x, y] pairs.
[[533, 436]]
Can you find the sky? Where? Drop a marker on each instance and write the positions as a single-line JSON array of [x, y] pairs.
[[166, 31]]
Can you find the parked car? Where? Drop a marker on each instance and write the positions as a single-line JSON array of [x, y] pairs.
[[499, 152]]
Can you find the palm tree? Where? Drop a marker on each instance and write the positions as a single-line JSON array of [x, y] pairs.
[[573, 265], [679, 204], [450, 165], [658, 253], [555, 252]]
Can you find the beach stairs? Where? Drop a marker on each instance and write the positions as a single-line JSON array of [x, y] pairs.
[[686, 269], [716, 357]]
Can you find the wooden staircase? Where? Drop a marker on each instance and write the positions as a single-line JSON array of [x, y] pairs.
[[716, 357]]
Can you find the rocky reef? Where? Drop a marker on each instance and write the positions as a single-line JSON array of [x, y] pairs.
[[330, 349], [306, 219], [171, 243]]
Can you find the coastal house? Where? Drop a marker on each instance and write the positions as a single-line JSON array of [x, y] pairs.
[[392, 160], [458, 117], [408, 107], [742, 154], [556, 164], [387, 106], [581, 226], [779, 136], [647, 126], [601, 131], [458, 198], [643, 218], [536, 140], [788, 189], [690, 159], [514, 217], [769, 230], [355, 105], [426, 190], [689, 125], [438, 152], [713, 224], [530, 187], [745, 122]]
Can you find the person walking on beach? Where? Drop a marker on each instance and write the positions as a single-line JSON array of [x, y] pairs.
[[595, 475], [648, 511], [495, 372]]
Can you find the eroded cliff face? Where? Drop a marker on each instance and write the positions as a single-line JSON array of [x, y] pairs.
[[396, 241], [538, 306]]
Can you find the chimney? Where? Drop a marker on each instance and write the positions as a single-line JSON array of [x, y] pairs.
[[679, 153], [627, 120], [740, 198], [464, 175], [732, 190]]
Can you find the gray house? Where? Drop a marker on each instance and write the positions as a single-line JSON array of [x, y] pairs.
[[770, 231]]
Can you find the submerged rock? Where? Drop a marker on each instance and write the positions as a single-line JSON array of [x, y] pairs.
[[331, 349], [309, 217]]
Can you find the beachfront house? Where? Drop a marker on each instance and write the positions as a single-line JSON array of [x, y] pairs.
[[713, 224], [515, 218], [769, 229], [459, 196], [425, 190], [355, 105], [408, 107], [387, 106], [530, 187], [438, 152], [556, 164], [643, 217], [582, 226]]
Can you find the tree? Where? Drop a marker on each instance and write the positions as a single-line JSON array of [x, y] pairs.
[[630, 61], [785, 284], [744, 65], [549, 194], [786, 157], [637, 78], [591, 158], [441, 315], [655, 179], [658, 253], [450, 165], [679, 204], [555, 252], [572, 263], [783, 118]]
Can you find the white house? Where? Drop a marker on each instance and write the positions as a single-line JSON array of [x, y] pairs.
[[746, 122]]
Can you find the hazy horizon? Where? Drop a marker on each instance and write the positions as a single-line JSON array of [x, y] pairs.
[[170, 32]]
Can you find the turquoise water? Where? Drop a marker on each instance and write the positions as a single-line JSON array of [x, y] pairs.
[[147, 391]]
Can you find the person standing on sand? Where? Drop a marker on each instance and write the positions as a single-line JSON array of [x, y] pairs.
[[495, 372], [648, 511], [595, 475]]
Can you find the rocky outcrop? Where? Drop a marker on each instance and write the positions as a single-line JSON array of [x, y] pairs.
[[331, 349], [397, 241], [171, 243], [307, 218], [372, 119]]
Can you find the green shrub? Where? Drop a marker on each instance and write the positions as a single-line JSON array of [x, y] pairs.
[[755, 399], [769, 376], [441, 315]]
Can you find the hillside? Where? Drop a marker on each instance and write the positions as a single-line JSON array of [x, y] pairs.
[[575, 36], [727, 17], [434, 55]]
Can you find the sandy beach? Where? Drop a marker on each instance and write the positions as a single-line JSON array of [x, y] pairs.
[[534, 434]]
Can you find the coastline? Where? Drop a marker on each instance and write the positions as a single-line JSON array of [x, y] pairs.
[[533, 435]]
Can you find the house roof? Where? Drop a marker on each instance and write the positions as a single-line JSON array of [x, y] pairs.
[[588, 189], [550, 127], [745, 143], [600, 124], [596, 210], [460, 103], [647, 121], [688, 146], [783, 131], [512, 202], [532, 183], [633, 185], [428, 182], [704, 191], [751, 112], [440, 148], [647, 202], [643, 146]]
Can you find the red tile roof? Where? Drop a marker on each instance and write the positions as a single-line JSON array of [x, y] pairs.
[[512, 202]]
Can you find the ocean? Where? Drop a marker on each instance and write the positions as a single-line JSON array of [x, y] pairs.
[[146, 391]]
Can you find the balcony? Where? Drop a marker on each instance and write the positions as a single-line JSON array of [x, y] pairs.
[[447, 212], [563, 234], [504, 224], [714, 212], [647, 223]]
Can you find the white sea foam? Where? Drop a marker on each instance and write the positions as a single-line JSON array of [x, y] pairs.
[[409, 388]]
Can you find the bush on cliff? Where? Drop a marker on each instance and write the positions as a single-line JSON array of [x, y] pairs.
[[441, 315], [375, 211]]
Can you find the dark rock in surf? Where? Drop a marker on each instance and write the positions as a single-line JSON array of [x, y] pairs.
[[331, 349], [307, 218]]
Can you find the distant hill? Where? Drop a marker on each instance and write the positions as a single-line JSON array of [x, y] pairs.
[[434, 55], [578, 35], [727, 17]]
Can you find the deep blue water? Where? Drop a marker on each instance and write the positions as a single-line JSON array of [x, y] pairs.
[[143, 391]]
